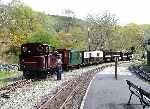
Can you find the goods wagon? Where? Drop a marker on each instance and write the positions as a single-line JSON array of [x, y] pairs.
[[117, 54], [109, 56], [85, 58], [96, 57]]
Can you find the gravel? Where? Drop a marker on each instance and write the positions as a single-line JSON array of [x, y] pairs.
[[9, 67], [29, 97]]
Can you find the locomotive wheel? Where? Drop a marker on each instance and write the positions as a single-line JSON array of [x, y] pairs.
[[42, 74], [78, 66], [66, 68], [27, 75]]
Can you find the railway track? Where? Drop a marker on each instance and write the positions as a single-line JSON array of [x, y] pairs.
[[4, 91], [70, 96]]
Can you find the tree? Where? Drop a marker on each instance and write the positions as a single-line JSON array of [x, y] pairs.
[[134, 36], [18, 22], [74, 39], [66, 22], [70, 30], [44, 37], [101, 28]]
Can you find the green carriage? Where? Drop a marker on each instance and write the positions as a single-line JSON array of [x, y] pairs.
[[75, 58]]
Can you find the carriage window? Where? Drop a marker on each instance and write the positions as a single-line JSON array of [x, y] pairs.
[[34, 49], [51, 49], [97, 54], [90, 54], [40, 49], [46, 49], [24, 49], [86, 54]]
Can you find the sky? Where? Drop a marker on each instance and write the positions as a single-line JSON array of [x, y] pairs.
[[127, 11]]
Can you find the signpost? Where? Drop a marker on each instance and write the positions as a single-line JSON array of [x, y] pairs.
[[116, 62], [148, 51], [147, 44], [89, 38]]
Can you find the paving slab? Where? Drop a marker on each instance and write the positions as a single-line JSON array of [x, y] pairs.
[[105, 92]]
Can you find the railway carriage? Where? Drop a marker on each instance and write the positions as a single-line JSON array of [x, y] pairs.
[[65, 58], [92, 57], [127, 56], [75, 58], [71, 58]]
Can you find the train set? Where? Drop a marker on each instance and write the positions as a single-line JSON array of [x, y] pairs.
[[39, 60]]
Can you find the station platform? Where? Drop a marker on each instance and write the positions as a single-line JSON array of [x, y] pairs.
[[105, 92]]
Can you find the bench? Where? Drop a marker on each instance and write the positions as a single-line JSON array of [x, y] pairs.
[[142, 95]]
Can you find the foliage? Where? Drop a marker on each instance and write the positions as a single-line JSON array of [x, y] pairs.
[[101, 29], [74, 39], [17, 40], [66, 40], [44, 37], [79, 37], [20, 24], [70, 30], [133, 37]]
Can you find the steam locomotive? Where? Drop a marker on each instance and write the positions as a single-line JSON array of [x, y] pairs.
[[39, 60]]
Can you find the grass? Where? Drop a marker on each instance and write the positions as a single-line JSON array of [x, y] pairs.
[[6, 77], [6, 74]]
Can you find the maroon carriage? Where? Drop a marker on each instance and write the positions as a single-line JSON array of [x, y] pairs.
[[65, 58], [71, 58], [39, 60]]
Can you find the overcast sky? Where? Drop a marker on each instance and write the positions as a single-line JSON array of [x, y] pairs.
[[135, 11]]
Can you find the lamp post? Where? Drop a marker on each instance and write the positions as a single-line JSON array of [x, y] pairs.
[[89, 39]]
